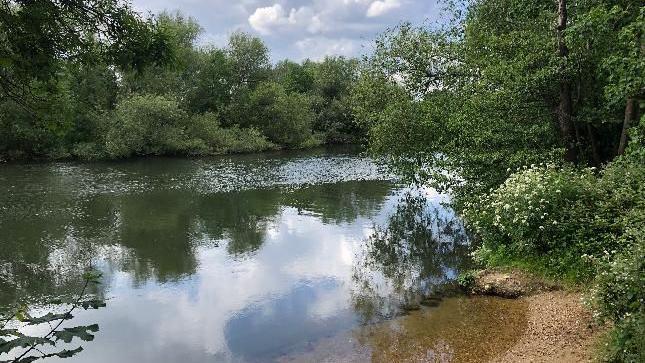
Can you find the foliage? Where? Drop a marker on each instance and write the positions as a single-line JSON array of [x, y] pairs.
[[620, 297], [27, 348], [210, 138], [542, 211], [155, 125], [466, 280], [480, 95], [36, 35], [284, 117], [98, 100], [479, 103], [147, 125], [577, 224]]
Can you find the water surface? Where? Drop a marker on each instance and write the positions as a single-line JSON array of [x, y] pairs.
[[293, 256]]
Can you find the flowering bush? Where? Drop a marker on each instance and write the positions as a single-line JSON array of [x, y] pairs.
[[543, 212], [580, 224]]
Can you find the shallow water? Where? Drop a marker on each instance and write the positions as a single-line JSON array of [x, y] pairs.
[[293, 256]]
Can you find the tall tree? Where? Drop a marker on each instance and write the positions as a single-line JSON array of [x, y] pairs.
[[565, 107]]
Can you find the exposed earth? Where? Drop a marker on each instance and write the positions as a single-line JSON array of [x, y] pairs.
[[559, 327]]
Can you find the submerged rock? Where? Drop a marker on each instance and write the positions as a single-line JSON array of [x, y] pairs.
[[407, 307], [431, 301]]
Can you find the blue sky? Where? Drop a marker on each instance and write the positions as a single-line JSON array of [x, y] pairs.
[[298, 29]]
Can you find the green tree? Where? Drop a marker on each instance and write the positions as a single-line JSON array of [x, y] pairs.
[[35, 36], [285, 118], [249, 58], [147, 125]]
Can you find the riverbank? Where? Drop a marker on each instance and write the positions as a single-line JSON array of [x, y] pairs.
[[251, 153], [559, 327]]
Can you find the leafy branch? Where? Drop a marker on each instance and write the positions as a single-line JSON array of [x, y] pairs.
[[12, 339]]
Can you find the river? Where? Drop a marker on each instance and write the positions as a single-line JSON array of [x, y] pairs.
[[318, 255]]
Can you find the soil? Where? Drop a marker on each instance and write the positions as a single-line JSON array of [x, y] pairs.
[[560, 329]]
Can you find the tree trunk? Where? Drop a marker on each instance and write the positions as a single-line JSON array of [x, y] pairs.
[[595, 153], [630, 115], [565, 108]]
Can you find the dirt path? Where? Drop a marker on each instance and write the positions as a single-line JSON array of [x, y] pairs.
[[560, 329]]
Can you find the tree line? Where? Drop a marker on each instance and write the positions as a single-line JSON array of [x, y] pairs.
[[95, 80]]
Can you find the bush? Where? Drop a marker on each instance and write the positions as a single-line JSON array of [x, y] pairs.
[[208, 137], [578, 224], [619, 294], [243, 140], [542, 213], [285, 118], [147, 125], [620, 297]]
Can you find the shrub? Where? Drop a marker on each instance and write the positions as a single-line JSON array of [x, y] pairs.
[[244, 140], [208, 137], [466, 280], [285, 118], [147, 125], [579, 224], [542, 213], [620, 297], [619, 294]]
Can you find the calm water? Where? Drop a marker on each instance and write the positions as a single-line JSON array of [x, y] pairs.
[[301, 256]]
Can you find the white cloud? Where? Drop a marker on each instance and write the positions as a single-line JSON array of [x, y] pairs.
[[381, 7], [265, 19], [282, 23]]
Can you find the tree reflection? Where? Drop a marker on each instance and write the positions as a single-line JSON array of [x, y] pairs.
[[340, 202], [154, 234], [419, 251], [241, 217]]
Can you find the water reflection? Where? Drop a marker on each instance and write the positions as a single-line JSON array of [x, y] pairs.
[[241, 258], [420, 249]]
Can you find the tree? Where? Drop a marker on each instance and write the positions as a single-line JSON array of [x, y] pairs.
[[295, 77], [35, 36], [249, 58], [565, 108], [285, 118], [503, 87]]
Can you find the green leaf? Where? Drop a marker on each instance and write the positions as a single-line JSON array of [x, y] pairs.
[[81, 332], [49, 317], [27, 359], [10, 332], [22, 342], [69, 353]]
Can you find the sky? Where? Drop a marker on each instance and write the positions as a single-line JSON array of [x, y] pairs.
[[299, 29]]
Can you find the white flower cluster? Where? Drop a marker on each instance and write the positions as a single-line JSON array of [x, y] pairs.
[[528, 204]]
